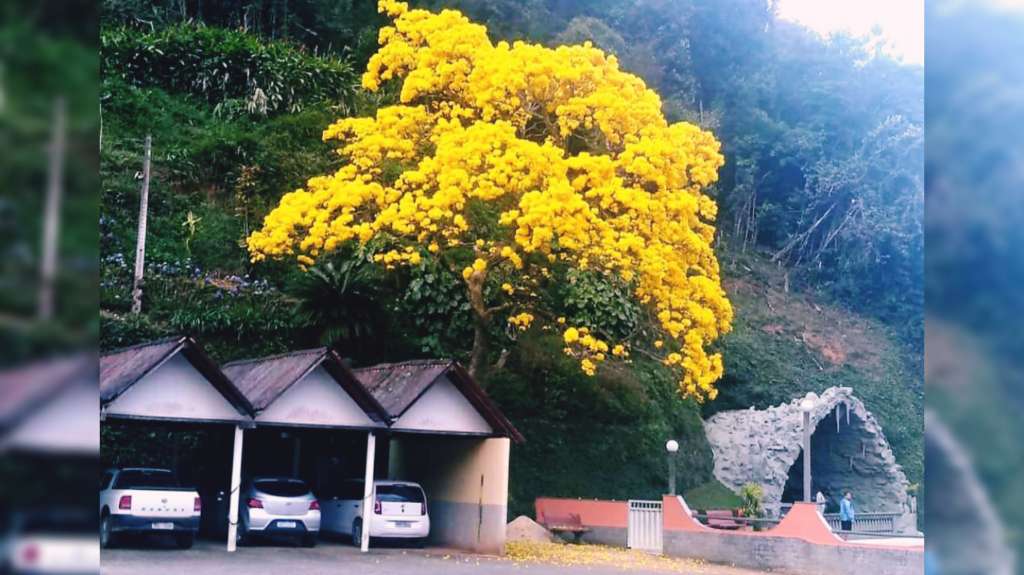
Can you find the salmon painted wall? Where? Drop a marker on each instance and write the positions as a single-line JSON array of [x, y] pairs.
[[593, 513], [802, 522], [801, 543]]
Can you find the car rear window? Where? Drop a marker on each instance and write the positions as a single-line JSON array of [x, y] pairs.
[[146, 478], [400, 493], [281, 487]]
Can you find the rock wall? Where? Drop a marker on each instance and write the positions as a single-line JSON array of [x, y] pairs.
[[848, 451]]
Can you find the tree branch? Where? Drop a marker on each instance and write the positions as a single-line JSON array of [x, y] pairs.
[[802, 236]]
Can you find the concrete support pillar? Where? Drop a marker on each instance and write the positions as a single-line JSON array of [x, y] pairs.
[[807, 456], [236, 484], [371, 451]]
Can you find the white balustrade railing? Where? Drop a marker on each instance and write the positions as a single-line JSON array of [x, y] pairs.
[[866, 522]]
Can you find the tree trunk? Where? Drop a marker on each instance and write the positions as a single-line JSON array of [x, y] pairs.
[[481, 316], [478, 357]]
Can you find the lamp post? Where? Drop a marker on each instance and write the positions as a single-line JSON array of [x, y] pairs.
[[806, 406], [672, 446]]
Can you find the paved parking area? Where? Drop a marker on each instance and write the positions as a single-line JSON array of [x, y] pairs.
[[208, 558]]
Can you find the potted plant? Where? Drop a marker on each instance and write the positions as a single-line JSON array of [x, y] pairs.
[[752, 495]]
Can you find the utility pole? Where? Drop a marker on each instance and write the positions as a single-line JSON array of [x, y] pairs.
[[140, 241], [51, 214]]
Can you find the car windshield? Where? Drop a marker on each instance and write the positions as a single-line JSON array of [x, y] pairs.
[[146, 478], [281, 487], [400, 493]]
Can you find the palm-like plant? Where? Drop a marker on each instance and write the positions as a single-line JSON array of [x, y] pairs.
[[340, 299]]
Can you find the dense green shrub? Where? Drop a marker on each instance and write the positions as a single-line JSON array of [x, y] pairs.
[[712, 495], [597, 437], [231, 70]]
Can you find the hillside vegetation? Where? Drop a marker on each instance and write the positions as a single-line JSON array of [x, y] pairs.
[[222, 159]]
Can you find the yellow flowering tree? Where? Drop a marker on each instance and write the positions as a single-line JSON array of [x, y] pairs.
[[515, 164]]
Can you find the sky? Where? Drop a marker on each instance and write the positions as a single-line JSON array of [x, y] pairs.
[[900, 22]]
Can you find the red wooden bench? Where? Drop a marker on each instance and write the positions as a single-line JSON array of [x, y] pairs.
[[570, 523], [722, 519]]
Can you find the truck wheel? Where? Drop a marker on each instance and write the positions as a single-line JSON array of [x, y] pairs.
[[357, 532], [309, 540], [108, 539], [185, 540]]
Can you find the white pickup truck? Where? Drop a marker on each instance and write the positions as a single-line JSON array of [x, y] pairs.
[[147, 500]]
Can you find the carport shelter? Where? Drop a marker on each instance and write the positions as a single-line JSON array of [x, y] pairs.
[[173, 380], [442, 430], [311, 389], [448, 436]]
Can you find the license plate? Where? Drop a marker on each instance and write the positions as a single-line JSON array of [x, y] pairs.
[[403, 523], [286, 524], [164, 526]]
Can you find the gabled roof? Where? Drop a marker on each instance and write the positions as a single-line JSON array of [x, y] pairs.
[[28, 387], [397, 386], [384, 392], [264, 380], [123, 368]]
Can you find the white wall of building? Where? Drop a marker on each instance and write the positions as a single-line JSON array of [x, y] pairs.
[[67, 424], [443, 408], [174, 390], [317, 399]]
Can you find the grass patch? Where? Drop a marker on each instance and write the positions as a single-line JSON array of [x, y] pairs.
[[712, 495]]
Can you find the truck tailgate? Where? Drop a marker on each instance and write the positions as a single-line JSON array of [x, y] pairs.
[[162, 503]]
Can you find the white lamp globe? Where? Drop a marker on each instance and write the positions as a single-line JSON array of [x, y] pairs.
[[807, 404], [672, 446]]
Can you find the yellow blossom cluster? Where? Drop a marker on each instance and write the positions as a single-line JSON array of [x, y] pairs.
[[590, 350], [521, 321], [479, 267], [392, 257], [511, 161]]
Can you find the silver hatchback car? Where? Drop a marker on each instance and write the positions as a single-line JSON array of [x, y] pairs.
[[278, 506]]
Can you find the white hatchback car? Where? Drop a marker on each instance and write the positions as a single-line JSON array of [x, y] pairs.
[[399, 511]]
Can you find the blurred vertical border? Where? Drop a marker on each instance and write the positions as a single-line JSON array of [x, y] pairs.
[[49, 190], [974, 358]]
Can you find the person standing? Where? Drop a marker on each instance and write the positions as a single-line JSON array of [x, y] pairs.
[[847, 514], [820, 500]]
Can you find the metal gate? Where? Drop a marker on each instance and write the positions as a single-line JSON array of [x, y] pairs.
[[644, 525]]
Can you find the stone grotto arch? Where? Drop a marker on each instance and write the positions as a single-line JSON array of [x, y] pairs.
[[848, 451]]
